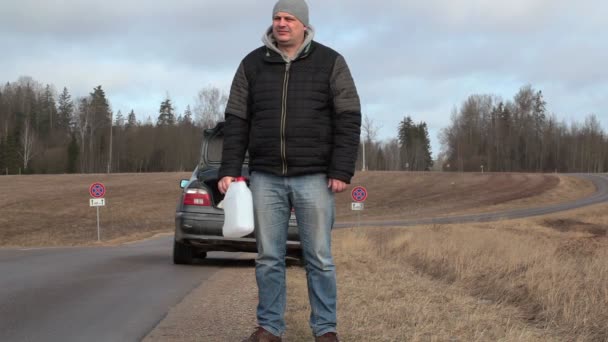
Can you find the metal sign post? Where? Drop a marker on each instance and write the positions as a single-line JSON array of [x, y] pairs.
[[359, 194], [97, 191], [98, 228]]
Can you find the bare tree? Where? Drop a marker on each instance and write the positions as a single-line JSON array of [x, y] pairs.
[[369, 131], [81, 124], [27, 144], [592, 145], [210, 106], [392, 152], [109, 166]]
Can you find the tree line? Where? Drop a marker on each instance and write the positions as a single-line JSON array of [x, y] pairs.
[[487, 133], [45, 131], [409, 151], [41, 132]]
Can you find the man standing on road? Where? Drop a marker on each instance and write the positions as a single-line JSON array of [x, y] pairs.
[[293, 104]]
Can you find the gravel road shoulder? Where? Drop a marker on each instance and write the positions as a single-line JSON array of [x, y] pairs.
[[221, 309]]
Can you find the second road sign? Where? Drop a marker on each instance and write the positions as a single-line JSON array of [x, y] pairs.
[[359, 194]]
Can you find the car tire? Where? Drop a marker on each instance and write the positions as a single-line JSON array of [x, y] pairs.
[[182, 254]]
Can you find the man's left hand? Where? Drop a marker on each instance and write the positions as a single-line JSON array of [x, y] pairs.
[[336, 185]]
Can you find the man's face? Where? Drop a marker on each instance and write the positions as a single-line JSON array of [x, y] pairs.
[[287, 29]]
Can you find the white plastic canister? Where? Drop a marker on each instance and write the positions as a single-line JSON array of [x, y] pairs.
[[238, 210]]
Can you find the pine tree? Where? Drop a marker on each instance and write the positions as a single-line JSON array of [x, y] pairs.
[[414, 146], [99, 128], [100, 107], [73, 151], [187, 116], [65, 110], [131, 120], [165, 114], [120, 119], [426, 145], [11, 154], [48, 114], [2, 155], [405, 142]]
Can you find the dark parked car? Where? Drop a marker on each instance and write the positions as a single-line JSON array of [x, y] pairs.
[[199, 221]]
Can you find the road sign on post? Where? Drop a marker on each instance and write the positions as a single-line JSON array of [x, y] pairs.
[[359, 194], [97, 191]]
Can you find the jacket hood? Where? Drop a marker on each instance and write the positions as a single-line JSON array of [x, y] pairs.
[[271, 44]]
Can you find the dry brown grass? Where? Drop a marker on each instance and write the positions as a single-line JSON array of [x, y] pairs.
[[409, 195], [541, 279], [51, 210]]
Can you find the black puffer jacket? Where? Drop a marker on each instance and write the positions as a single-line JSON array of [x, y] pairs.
[[297, 117]]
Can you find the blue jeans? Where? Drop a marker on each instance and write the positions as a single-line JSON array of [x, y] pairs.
[[314, 205]]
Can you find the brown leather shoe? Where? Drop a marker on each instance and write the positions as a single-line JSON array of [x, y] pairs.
[[262, 335], [327, 337]]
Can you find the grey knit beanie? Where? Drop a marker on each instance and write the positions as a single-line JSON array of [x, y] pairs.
[[297, 8]]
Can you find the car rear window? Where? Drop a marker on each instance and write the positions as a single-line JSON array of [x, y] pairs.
[[214, 149]]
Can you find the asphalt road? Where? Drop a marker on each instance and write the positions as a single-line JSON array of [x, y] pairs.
[[93, 294], [120, 293]]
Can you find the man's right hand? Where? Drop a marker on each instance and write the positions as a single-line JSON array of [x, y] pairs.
[[224, 183]]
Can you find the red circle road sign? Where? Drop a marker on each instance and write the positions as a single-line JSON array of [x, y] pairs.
[[359, 194], [97, 190]]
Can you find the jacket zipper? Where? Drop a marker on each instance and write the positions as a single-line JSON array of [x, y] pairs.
[[284, 119]]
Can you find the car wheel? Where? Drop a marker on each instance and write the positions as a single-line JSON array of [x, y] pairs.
[[182, 254]]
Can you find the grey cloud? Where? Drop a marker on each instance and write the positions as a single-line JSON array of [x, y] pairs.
[[407, 57]]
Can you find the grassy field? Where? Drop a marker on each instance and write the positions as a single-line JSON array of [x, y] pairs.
[[53, 210], [539, 279]]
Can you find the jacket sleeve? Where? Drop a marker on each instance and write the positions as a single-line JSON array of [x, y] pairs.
[[238, 101], [236, 128], [347, 122]]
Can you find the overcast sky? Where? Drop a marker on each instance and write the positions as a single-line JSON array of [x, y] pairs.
[[416, 58]]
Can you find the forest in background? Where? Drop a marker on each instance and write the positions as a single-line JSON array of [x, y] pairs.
[[43, 130], [520, 136]]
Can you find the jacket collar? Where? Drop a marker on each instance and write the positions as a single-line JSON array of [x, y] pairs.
[[273, 54]]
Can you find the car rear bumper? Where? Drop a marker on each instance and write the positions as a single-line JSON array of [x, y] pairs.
[[215, 243], [203, 224], [204, 231]]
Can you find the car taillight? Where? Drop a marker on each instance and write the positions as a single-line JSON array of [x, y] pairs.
[[198, 197]]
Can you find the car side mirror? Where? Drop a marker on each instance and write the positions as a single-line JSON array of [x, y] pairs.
[[183, 183]]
